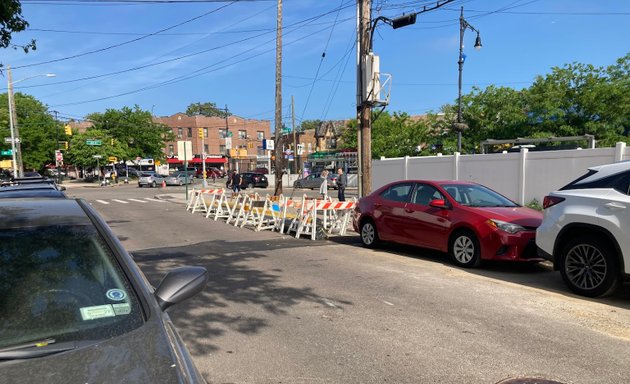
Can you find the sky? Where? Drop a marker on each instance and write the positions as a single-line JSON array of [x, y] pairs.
[[163, 55]]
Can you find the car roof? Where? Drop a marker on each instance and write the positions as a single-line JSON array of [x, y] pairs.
[[23, 213], [606, 170]]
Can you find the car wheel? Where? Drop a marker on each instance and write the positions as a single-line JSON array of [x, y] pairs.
[[589, 267], [369, 234], [181, 183], [153, 184], [250, 186], [464, 249], [297, 185]]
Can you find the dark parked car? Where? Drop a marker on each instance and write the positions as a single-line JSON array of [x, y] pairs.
[[75, 308], [44, 189], [314, 181], [469, 221], [252, 180]]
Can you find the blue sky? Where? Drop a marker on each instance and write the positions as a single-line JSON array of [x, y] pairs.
[[165, 55]]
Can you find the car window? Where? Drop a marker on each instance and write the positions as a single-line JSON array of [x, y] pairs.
[[475, 195], [623, 183], [62, 282], [398, 192], [424, 193]]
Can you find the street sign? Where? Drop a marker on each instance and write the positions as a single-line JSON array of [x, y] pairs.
[[97, 156], [8, 139], [228, 143], [58, 156], [184, 150], [8, 152], [112, 159], [93, 142], [268, 144]]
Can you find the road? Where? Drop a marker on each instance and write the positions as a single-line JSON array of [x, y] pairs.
[[282, 310]]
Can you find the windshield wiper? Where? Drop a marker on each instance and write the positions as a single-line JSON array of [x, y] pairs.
[[35, 349]]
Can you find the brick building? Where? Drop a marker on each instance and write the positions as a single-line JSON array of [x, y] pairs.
[[246, 137]]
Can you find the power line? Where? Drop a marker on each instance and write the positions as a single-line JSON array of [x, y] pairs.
[[126, 42]]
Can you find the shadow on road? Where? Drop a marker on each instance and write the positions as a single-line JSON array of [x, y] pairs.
[[535, 275], [232, 281]]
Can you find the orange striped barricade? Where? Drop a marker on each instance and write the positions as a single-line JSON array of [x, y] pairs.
[[336, 215], [212, 204], [246, 202], [271, 213], [224, 206], [305, 223], [200, 203], [253, 212], [290, 209]]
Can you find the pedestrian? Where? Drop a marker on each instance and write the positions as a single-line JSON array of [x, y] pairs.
[[236, 181], [323, 188], [342, 183]]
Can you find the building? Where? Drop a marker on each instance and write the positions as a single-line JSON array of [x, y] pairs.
[[213, 136]]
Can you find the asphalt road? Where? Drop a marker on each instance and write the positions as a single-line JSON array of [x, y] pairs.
[[282, 310]]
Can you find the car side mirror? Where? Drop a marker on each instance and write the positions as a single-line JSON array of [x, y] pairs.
[[180, 284], [438, 203]]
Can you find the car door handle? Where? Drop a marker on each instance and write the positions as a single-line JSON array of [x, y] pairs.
[[408, 210], [613, 205]]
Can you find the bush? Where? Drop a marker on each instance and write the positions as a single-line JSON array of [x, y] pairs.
[[534, 204]]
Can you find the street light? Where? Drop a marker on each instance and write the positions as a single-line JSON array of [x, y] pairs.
[[15, 145], [460, 126]]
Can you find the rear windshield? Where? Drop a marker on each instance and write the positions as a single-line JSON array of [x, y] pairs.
[[62, 283]]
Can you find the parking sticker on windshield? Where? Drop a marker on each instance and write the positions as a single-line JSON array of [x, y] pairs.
[[122, 309], [116, 294], [97, 312]]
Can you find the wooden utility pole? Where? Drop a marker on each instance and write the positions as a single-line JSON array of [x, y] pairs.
[[295, 150], [278, 118], [364, 111]]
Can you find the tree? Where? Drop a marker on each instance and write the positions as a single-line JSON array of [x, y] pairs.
[[309, 124], [392, 135], [11, 21], [133, 131], [206, 109], [37, 128]]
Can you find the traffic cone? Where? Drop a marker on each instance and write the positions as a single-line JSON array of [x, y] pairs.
[[163, 184]]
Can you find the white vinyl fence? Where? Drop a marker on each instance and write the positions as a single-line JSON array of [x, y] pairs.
[[522, 176]]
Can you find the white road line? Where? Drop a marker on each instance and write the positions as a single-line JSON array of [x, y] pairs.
[[103, 202], [139, 201], [328, 303], [387, 302], [154, 199], [120, 201]]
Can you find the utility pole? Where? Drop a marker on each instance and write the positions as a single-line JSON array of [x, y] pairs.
[[57, 146], [227, 137], [295, 150], [364, 112], [18, 170], [278, 117]]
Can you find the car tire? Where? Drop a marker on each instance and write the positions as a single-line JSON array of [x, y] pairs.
[[181, 183], [589, 267], [369, 234], [464, 249], [153, 184], [297, 185], [250, 186]]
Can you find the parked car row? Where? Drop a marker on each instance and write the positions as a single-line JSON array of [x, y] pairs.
[[584, 231]]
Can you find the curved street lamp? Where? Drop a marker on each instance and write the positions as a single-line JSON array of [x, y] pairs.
[[18, 170], [460, 126]]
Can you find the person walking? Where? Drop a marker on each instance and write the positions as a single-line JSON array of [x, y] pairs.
[[342, 183], [323, 188], [236, 181]]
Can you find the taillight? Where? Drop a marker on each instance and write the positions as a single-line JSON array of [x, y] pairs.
[[550, 201]]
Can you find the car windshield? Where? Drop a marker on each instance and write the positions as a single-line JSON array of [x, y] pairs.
[[474, 195], [62, 283], [147, 174]]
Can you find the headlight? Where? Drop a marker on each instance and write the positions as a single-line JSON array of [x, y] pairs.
[[504, 226]]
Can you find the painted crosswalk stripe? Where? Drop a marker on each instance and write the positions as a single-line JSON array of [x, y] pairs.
[[120, 201], [102, 201], [154, 199], [139, 201]]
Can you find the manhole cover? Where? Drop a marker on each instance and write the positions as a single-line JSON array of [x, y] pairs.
[[528, 380]]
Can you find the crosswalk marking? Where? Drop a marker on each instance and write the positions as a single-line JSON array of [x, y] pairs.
[[120, 201], [139, 201], [102, 202]]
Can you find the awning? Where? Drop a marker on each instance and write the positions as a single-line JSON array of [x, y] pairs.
[[197, 160]]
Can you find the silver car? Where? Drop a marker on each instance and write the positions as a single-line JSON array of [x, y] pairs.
[[150, 179], [314, 180], [179, 178]]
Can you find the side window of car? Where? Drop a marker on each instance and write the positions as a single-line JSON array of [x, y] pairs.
[[398, 192], [623, 184], [425, 193]]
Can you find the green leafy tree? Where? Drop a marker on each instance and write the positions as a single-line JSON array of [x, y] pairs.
[[37, 130], [11, 21], [309, 124], [81, 154], [134, 132], [392, 135], [205, 109]]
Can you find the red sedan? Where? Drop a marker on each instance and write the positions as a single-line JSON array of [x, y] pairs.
[[467, 220]]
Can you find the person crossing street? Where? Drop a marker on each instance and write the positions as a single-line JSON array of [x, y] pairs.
[[342, 183]]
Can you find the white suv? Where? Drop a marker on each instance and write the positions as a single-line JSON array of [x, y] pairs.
[[586, 230]]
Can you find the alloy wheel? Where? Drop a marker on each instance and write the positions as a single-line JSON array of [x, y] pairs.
[[368, 233], [463, 249], [585, 266]]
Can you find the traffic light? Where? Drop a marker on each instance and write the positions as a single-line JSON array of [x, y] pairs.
[[68, 130], [250, 145], [201, 133], [112, 142], [65, 145]]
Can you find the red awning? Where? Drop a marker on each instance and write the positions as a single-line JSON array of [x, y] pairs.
[[197, 160]]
